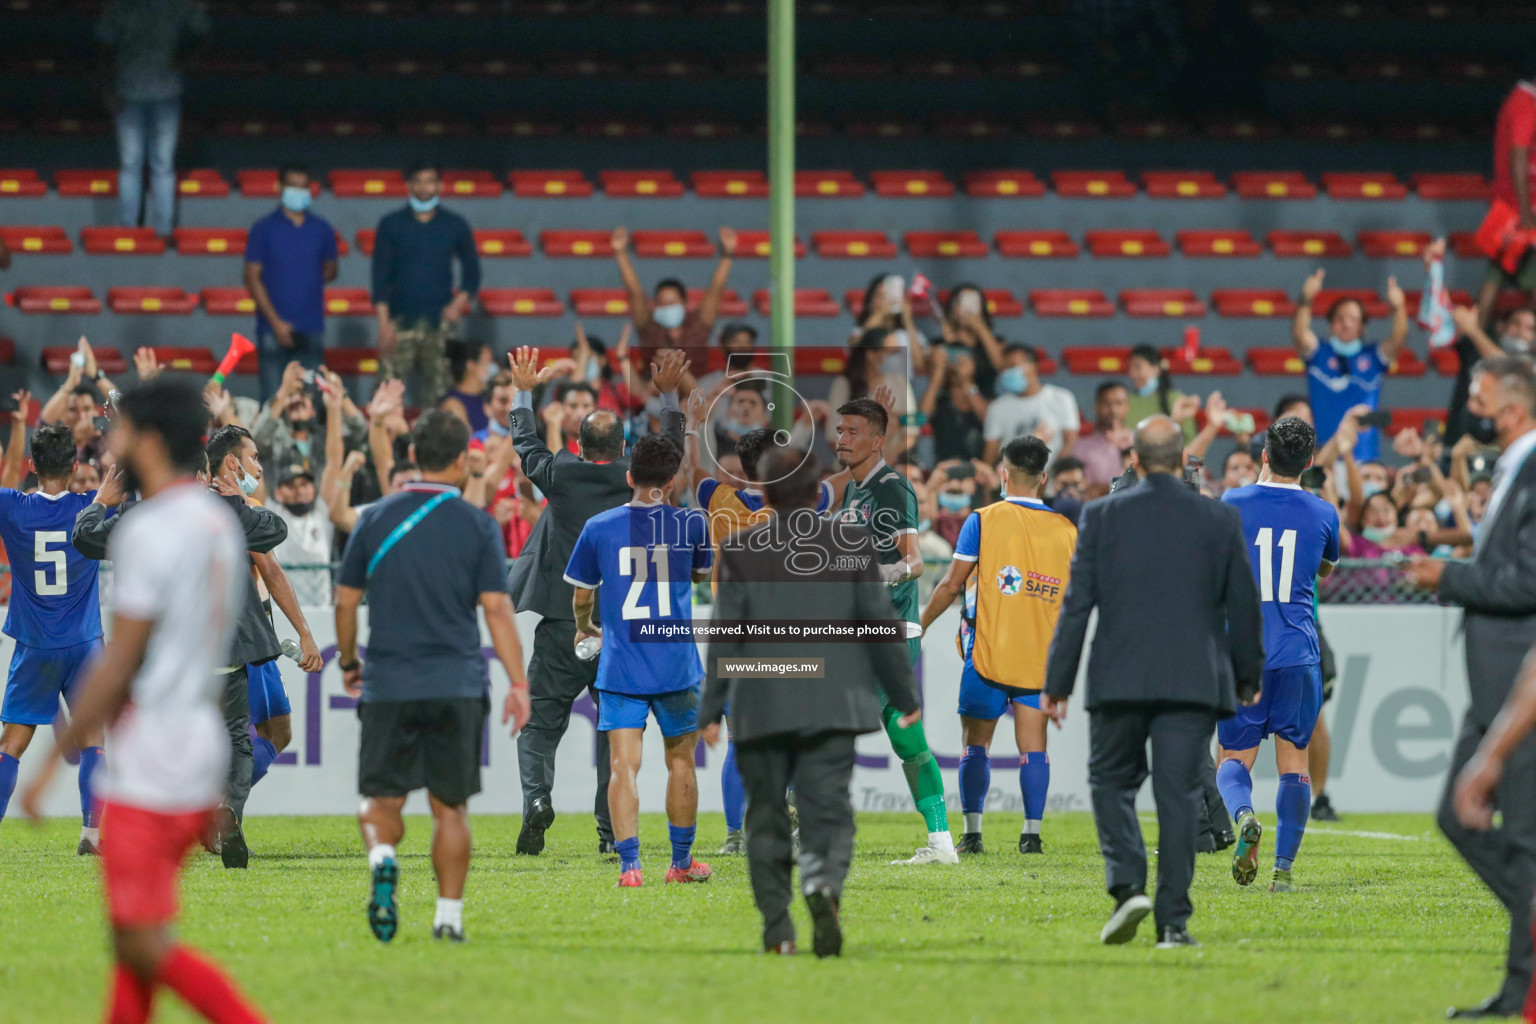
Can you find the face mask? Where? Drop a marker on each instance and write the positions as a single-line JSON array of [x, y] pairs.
[[300, 508], [487, 372], [1148, 389], [296, 199], [1378, 534], [1347, 350], [302, 446], [1369, 488], [1246, 481], [424, 205], [248, 484], [669, 316], [731, 425], [1011, 381], [1514, 345], [1483, 431], [498, 428], [893, 364], [924, 525], [954, 503], [594, 369]]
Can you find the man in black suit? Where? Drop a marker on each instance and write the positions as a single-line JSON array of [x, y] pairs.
[[800, 731], [1498, 590], [576, 489], [1180, 640]]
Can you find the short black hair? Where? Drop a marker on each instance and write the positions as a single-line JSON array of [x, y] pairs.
[[1028, 350], [440, 438], [1106, 387], [730, 330], [1289, 442], [654, 460], [172, 407], [293, 168], [578, 385], [402, 467], [417, 166], [672, 282], [602, 435], [1227, 459], [1289, 402], [86, 390], [1066, 464], [1027, 454], [750, 447], [868, 409], [224, 442], [53, 450], [757, 385], [794, 478], [1339, 303]]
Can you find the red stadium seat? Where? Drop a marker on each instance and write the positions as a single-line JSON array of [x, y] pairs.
[[430, 126], [673, 244], [555, 184], [1445, 360], [189, 360], [365, 237], [1167, 302], [1308, 244], [948, 244], [731, 302], [344, 128], [1070, 302], [1150, 128], [499, 242], [1407, 364], [1276, 362], [352, 362], [888, 126], [1095, 360], [262, 183], [613, 128], [210, 241], [702, 128], [576, 243], [817, 302], [1393, 244], [1182, 185], [21, 183], [1063, 126], [203, 184], [1252, 302], [1000, 302], [1218, 243], [852, 245], [314, 65], [165, 301], [77, 183], [1374, 307], [1093, 184], [972, 126], [228, 302], [1240, 129], [1464, 245], [56, 299], [1415, 420], [8, 354], [755, 244], [49, 239], [1450, 186], [522, 126], [1208, 362], [600, 301], [1273, 185], [827, 184], [1133, 244], [912, 184], [730, 184], [641, 184], [1373, 185], [1459, 297], [1036, 244], [348, 302], [1508, 302], [55, 359], [374, 184], [521, 302], [122, 241], [471, 185], [1004, 184], [853, 300], [253, 126]]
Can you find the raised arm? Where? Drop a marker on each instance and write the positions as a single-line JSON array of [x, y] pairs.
[[56, 409], [1398, 337], [538, 458], [639, 306], [1301, 325], [1215, 418], [709, 309], [388, 398], [16, 446], [337, 494]]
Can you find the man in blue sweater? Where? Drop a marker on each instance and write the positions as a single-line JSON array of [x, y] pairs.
[[413, 294]]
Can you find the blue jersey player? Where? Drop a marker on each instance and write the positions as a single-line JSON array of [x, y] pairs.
[[646, 556], [55, 615], [1293, 538]]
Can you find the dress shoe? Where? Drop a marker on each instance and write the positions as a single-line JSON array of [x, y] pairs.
[[530, 838], [1176, 938], [785, 948], [828, 938], [1494, 1006]]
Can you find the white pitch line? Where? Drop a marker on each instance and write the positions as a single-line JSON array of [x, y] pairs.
[[1314, 830]]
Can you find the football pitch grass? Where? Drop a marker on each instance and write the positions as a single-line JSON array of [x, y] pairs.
[[1387, 926]]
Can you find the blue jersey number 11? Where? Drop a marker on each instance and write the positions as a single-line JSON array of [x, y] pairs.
[[1265, 543]]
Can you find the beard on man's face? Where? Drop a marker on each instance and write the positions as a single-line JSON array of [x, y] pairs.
[[130, 475]]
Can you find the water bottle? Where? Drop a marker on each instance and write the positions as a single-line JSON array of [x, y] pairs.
[[291, 649], [587, 647]]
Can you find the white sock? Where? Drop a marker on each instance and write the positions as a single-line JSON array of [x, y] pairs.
[[942, 841], [93, 834], [1031, 828], [973, 821], [379, 854], [449, 912]]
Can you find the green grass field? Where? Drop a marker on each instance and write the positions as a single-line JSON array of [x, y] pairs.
[[1383, 929]]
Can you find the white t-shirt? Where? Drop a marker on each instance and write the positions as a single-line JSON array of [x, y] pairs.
[[309, 536], [177, 560], [1011, 416]]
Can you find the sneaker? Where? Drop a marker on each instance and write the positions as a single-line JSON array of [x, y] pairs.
[[735, 844], [629, 879], [383, 915], [1245, 859], [1176, 938], [530, 838], [1122, 924], [823, 903], [970, 842], [785, 948], [1280, 881], [87, 848], [931, 855], [1322, 809], [697, 871], [1030, 843], [449, 932]]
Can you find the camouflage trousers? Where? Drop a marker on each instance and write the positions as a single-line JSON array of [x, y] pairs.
[[419, 347]]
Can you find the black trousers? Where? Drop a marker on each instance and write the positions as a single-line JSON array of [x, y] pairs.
[[1504, 857], [556, 677], [820, 768], [235, 701], [1180, 737]]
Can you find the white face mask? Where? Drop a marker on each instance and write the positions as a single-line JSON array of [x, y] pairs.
[[248, 484], [669, 316]]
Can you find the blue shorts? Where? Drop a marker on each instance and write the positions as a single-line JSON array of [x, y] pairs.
[[1288, 706], [39, 676], [264, 684], [978, 700], [677, 713]]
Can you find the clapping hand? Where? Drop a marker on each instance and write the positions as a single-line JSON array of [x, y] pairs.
[[669, 368], [388, 399], [145, 364]]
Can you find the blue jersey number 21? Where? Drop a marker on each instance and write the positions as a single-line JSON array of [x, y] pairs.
[[42, 556], [636, 562]]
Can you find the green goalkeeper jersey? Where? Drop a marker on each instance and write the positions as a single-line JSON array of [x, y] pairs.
[[887, 504]]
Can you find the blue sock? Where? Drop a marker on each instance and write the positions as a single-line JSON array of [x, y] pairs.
[[629, 853], [263, 754], [1236, 786], [90, 760], [1035, 782], [731, 789], [1293, 803], [975, 780], [9, 766], [682, 845]]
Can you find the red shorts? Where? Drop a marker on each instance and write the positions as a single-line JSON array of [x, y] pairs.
[[141, 855]]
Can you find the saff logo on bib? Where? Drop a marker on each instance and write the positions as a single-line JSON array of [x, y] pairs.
[[1009, 580]]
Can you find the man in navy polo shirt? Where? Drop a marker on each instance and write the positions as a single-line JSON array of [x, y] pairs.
[[289, 256], [427, 560]]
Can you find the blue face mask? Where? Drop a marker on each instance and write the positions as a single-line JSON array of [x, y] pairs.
[[1378, 534], [669, 316], [954, 503], [424, 205], [1346, 349], [1012, 381], [1368, 489], [1148, 389], [296, 199], [248, 484]]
